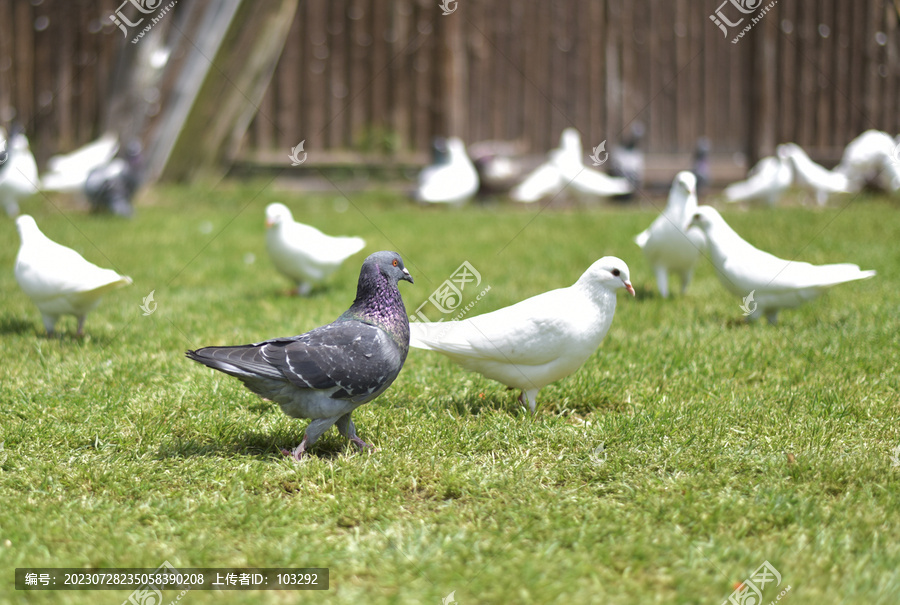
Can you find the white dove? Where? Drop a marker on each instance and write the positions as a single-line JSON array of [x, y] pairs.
[[766, 182], [565, 168], [537, 341], [452, 179], [864, 158], [774, 283], [303, 253], [813, 177], [59, 280], [68, 173], [668, 246], [18, 173]]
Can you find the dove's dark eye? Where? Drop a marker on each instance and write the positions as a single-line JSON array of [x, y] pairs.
[[395, 263], [616, 272]]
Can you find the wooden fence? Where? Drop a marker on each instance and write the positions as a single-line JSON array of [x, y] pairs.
[[385, 76]]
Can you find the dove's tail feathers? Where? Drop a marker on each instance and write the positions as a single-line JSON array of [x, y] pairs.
[[419, 334], [831, 275], [642, 238], [115, 284], [63, 182], [244, 362]]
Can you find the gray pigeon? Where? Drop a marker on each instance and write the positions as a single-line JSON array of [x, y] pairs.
[[328, 372]]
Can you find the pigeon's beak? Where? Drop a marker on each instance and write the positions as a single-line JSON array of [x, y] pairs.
[[407, 276], [629, 287], [269, 223]]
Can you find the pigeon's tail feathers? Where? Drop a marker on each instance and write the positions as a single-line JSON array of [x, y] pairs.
[[642, 238], [244, 362]]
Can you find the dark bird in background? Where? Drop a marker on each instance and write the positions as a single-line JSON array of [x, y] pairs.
[[700, 166], [627, 160], [111, 186], [328, 372]]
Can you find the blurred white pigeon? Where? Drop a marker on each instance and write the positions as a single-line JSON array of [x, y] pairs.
[[59, 280], [537, 341], [68, 173], [668, 246], [864, 158], [889, 177], [452, 178], [811, 176], [765, 282], [18, 172], [565, 168], [766, 182], [303, 253]]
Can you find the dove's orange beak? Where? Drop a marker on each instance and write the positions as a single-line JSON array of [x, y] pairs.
[[629, 287], [269, 223]]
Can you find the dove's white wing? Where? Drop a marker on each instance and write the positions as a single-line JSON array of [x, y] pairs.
[[543, 181], [592, 182], [531, 332], [768, 180], [86, 158], [53, 270], [813, 176]]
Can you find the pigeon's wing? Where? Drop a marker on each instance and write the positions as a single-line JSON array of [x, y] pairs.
[[357, 359], [532, 332], [543, 181]]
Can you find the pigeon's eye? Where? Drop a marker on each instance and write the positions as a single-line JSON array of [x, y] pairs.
[[395, 263], [616, 272]]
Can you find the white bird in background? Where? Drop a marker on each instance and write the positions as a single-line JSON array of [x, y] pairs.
[[18, 172], [759, 278], [59, 280], [565, 168], [303, 253], [811, 176], [864, 158], [452, 178], [668, 246], [766, 182], [69, 172], [537, 341]]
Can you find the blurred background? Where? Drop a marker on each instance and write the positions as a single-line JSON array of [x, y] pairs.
[[234, 85]]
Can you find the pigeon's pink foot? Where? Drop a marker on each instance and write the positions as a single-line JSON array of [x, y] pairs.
[[363, 445], [298, 451]]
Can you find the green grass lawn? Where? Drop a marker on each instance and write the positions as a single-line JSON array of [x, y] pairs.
[[725, 445]]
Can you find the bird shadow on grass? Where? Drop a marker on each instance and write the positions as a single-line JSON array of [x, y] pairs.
[[15, 325], [263, 446]]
